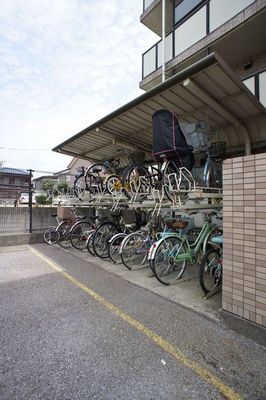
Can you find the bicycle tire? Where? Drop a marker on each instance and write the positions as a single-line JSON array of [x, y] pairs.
[[95, 177], [166, 268], [102, 236], [132, 183], [114, 247], [210, 270], [90, 244], [64, 231], [79, 234], [113, 184], [51, 235], [134, 250], [80, 186]]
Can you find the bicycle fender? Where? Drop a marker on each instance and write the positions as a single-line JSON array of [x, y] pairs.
[[153, 248], [116, 235], [206, 241]]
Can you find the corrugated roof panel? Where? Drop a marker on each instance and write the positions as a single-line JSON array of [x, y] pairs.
[[206, 90]]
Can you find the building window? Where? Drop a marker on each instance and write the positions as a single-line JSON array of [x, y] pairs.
[[191, 31], [183, 8], [18, 182], [222, 11], [262, 88], [146, 4], [257, 85]]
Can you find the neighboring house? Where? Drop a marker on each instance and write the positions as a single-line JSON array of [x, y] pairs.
[[38, 182], [194, 28], [75, 167], [13, 182]]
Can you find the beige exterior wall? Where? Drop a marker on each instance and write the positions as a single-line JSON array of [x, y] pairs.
[[244, 279]]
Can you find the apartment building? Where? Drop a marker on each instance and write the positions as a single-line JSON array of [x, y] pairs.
[[236, 30], [195, 28]]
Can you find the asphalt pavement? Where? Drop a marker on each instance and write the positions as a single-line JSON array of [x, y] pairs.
[[72, 327]]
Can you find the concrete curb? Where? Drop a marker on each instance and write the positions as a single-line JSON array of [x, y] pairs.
[[20, 238]]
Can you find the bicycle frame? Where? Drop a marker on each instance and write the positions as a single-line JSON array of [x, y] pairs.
[[191, 250]]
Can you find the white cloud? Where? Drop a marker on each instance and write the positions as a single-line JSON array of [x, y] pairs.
[[64, 64]]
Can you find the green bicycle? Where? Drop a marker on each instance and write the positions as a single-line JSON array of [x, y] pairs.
[[170, 255]]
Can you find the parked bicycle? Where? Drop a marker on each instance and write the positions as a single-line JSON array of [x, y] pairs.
[[51, 235], [211, 266], [98, 178], [172, 253]]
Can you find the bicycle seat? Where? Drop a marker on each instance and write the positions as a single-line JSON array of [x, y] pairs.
[[179, 224], [54, 215]]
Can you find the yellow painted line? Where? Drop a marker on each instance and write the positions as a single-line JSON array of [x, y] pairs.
[[158, 340]]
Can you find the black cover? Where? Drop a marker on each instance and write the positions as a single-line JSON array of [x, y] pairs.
[[169, 140]]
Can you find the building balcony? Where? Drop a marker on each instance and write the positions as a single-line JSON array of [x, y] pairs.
[[152, 15], [207, 31]]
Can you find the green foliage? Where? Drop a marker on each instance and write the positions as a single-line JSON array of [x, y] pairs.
[[43, 199], [62, 187], [47, 185]]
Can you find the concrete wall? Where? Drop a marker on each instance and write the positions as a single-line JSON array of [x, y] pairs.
[[16, 219], [244, 200]]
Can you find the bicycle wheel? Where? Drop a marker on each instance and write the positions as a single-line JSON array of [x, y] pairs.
[[51, 235], [101, 238], [113, 184], [210, 270], [114, 246], [79, 234], [90, 243], [169, 261], [136, 182], [174, 183], [95, 177], [64, 235], [134, 251], [80, 186]]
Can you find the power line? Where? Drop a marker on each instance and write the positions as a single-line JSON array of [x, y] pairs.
[[23, 149]]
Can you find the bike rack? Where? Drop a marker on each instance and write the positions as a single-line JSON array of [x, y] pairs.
[[158, 197], [136, 188], [116, 197]]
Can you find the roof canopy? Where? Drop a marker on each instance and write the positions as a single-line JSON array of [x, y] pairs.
[[207, 90]]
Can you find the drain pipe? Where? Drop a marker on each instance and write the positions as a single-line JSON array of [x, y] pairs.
[[163, 40], [195, 89]]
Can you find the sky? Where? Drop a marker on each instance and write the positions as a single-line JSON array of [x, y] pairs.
[[64, 64]]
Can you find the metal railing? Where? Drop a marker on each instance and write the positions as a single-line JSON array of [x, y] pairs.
[[188, 32]]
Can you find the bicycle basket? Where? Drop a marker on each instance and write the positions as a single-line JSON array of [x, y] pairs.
[[218, 149]]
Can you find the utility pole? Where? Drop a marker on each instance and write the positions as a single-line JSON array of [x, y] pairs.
[[30, 198]]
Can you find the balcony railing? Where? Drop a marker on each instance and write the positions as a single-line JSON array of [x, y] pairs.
[[205, 20], [146, 4]]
